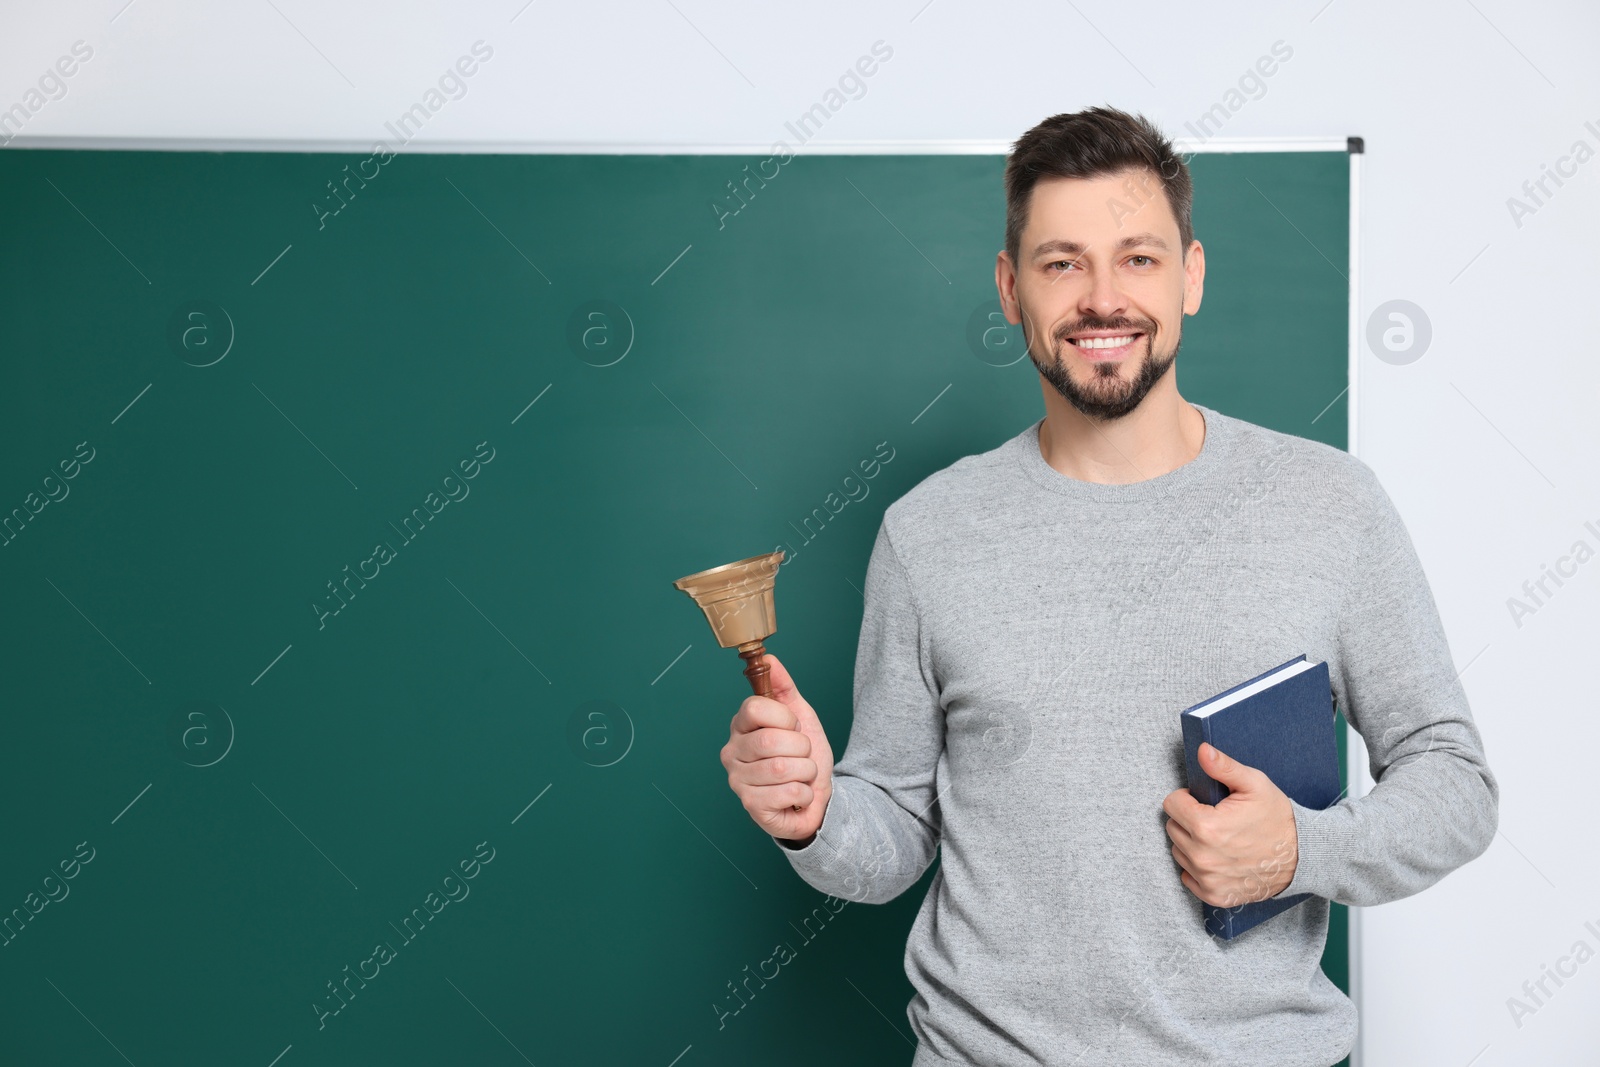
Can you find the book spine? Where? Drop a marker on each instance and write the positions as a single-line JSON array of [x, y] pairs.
[[1203, 787]]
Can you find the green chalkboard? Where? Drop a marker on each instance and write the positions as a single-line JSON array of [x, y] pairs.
[[245, 744]]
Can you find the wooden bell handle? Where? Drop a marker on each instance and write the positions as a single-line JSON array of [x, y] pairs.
[[756, 669]]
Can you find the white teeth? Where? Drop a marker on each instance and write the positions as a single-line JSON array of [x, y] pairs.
[[1103, 342]]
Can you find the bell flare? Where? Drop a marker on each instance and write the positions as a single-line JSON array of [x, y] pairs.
[[737, 598]]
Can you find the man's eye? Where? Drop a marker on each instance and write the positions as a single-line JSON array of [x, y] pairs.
[[1062, 263], [1147, 259]]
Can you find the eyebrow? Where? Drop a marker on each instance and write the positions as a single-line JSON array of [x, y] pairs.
[[1073, 248]]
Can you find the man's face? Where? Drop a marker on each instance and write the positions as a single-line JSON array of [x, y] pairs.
[[1101, 287]]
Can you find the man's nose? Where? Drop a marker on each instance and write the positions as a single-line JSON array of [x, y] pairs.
[[1104, 297]]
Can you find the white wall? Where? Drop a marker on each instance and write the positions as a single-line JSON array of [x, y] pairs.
[[1488, 443]]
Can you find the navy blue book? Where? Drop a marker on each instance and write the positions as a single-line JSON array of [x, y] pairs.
[[1281, 723]]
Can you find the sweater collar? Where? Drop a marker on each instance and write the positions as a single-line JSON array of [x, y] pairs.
[[1218, 435]]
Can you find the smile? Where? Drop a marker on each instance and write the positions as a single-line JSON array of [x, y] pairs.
[[1105, 347]]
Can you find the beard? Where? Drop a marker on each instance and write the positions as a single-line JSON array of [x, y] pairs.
[[1108, 394]]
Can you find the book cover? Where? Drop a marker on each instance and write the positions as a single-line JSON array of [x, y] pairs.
[[1281, 723]]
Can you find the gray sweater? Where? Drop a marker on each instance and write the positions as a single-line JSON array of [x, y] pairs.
[[1028, 642]]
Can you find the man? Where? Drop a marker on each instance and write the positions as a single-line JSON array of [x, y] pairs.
[[1037, 616]]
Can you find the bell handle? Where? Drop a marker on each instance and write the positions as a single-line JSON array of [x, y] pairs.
[[754, 655]]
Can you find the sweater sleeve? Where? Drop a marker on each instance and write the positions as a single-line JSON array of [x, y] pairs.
[[881, 826], [1434, 804]]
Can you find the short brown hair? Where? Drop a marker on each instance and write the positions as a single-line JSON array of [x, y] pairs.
[[1090, 144]]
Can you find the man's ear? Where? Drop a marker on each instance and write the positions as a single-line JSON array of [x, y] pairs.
[[1005, 284], [1194, 277]]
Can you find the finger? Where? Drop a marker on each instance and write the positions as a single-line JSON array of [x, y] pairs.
[[1181, 836], [1192, 884], [1181, 806], [757, 712], [1238, 777], [767, 743], [770, 799], [1185, 861], [787, 824], [777, 770], [783, 687]]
